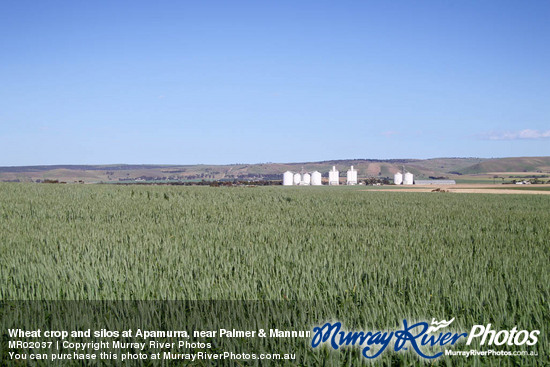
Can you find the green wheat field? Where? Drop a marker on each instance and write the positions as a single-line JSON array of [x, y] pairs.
[[368, 259]]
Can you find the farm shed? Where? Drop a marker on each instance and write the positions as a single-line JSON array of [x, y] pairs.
[[435, 182]]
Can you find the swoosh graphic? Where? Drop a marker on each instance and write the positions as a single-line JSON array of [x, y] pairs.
[[439, 325]]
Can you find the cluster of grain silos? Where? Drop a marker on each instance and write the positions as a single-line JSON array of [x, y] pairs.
[[306, 179], [400, 179], [314, 178]]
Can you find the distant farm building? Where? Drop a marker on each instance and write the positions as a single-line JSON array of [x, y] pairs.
[[435, 182], [405, 178]]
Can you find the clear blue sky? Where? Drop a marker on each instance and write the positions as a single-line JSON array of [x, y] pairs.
[[183, 82]]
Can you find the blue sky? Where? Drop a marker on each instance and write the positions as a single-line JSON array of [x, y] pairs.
[[220, 82]]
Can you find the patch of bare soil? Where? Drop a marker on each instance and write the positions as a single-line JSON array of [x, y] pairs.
[[466, 189]]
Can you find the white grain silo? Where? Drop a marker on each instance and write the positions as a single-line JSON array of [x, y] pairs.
[[334, 176], [409, 179], [316, 179], [352, 177], [398, 178], [306, 179], [288, 178], [297, 178]]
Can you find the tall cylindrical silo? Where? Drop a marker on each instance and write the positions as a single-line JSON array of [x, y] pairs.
[[297, 178], [306, 179], [352, 177], [398, 178], [334, 176], [288, 177], [409, 179], [316, 179]]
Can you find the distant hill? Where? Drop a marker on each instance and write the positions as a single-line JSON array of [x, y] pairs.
[[421, 168], [521, 164]]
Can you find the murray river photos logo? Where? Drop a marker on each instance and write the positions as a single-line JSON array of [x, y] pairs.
[[421, 338]]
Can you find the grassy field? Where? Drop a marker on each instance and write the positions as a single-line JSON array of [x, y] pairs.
[[479, 258], [522, 187]]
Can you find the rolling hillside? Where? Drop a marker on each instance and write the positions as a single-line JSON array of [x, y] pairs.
[[421, 168], [521, 164]]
